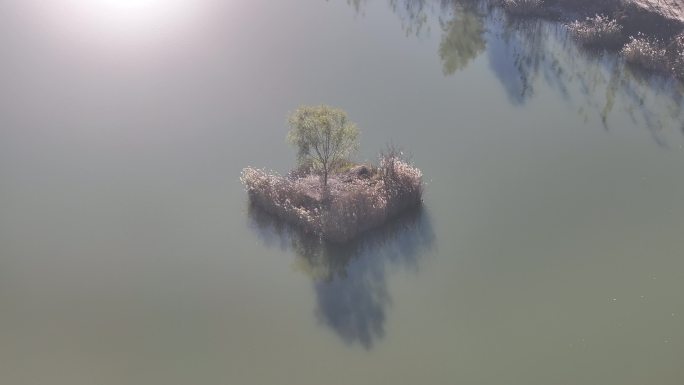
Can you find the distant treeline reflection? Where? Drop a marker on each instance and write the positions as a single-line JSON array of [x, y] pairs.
[[524, 54]]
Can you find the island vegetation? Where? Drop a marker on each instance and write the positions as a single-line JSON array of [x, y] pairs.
[[327, 194]]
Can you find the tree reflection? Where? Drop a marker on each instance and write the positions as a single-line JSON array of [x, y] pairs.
[[463, 38], [525, 54], [461, 22], [413, 14], [350, 280], [357, 5]]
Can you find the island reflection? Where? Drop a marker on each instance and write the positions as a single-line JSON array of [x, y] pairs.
[[350, 280]]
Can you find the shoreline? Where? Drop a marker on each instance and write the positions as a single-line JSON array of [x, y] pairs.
[[651, 32]]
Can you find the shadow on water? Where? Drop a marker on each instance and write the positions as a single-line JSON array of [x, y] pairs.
[[526, 55], [350, 280]]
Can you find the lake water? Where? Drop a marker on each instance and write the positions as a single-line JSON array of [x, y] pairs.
[[549, 250]]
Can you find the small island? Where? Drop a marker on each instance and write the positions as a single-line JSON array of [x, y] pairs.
[[327, 194]]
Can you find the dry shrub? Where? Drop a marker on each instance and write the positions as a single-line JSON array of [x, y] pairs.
[[645, 52], [344, 209], [677, 56], [363, 204], [597, 31], [524, 7], [402, 182], [290, 200]]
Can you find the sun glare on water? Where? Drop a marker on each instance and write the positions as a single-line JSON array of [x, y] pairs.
[[120, 20]]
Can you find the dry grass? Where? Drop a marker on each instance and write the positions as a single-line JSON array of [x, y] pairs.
[[645, 52], [676, 53], [351, 203], [597, 31], [524, 7]]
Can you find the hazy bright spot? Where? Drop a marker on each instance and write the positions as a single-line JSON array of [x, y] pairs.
[[118, 21]]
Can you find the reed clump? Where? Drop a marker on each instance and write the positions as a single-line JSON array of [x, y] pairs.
[[523, 8], [676, 53], [353, 201], [597, 31], [646, 52]]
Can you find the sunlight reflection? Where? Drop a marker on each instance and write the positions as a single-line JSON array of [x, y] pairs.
[[128, 21]]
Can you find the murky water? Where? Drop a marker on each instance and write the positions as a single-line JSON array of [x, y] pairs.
[[549, 250]]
